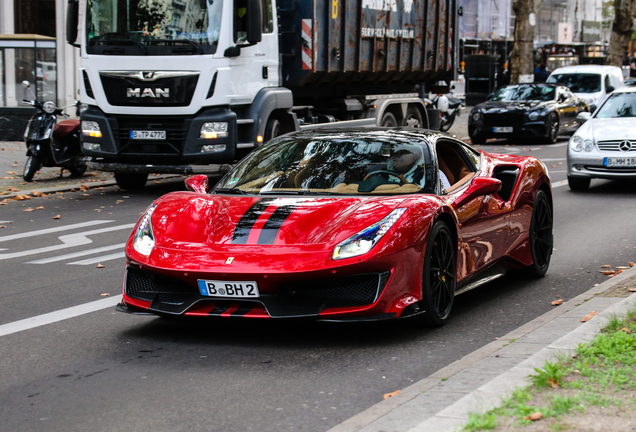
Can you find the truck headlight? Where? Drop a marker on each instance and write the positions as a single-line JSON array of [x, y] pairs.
[[91, 129], [214, 130], [364, 241], [48, 107], [144, 239], [577, 143]]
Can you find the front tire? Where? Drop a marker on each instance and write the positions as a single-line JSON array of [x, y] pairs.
[[130, 181], [273, 129], [541, 237], [32, 165], [446, 122], [439, 277], [553, 129], [388, 120], [578, 183]]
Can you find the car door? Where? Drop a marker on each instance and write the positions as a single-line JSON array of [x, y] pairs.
[[568, 109], [482, 222]]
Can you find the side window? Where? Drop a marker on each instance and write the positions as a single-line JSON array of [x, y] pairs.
[[268, 17], [607, 81], [240, 21], [456, 162]]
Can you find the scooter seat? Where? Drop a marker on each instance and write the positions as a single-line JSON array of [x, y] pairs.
[[65, 127]]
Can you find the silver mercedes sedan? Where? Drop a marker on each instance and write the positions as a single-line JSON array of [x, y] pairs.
[[605, 145]]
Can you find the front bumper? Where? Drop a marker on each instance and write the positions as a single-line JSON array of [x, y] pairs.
[[593, 167], [526, 130]]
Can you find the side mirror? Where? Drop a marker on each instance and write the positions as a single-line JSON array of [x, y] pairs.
[[254, 21], [198, 183], [479, 186], [609, 89], [72, 20], [584, 116]]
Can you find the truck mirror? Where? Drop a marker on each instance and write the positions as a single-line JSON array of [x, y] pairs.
[[254, 21], [72, 20]]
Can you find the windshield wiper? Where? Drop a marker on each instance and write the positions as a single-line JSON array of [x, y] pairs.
[[230, 191], [124, 42], [186, 41]]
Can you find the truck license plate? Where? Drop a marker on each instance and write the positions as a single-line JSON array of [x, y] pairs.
[[147, 135], [504, 129], [234, 289], [625, 162]]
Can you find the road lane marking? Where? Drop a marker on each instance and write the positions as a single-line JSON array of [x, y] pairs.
[[559, 184], [553, 159], [99, 259], [52, 230], [78, 254], [69, 240], [60, 315]]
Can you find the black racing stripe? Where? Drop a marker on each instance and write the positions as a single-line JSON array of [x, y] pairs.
[[247, 221], [273, 224], [243, 309], [219, 308]]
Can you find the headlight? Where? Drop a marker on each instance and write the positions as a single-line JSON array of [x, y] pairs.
[[533, 115], [588, 145], [144, 239], [476, 116], [214, 130], [364, 241], [48, 107], [91, 129], [576, 143]]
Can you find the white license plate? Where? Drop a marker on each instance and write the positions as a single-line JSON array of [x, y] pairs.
[[147, 135], [233, 289], [620, 162], [504, 129]]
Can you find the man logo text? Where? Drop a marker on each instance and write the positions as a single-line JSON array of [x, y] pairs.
[[148, 92]]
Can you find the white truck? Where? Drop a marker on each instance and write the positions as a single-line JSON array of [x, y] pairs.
[[187, 86]]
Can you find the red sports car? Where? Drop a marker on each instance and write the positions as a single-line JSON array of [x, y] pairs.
[[342, 225]]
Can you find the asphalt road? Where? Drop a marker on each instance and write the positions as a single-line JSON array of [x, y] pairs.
[[107, 371]]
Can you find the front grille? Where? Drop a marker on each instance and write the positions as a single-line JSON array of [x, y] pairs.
[[175, 128], [162, 92], [146, 286], [345, 292], [503, 119], [614, 146]]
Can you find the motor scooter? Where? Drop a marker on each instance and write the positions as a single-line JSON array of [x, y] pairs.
[[449, 108], [49, 143]]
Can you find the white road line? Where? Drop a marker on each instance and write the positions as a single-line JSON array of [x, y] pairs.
[[69, 240], [559, 184], [553, 159], [60, 315], [52, 230], [78, 254], [4, 222], [99, 259]]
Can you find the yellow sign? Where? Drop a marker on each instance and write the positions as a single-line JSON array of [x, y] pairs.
[[334, 9]]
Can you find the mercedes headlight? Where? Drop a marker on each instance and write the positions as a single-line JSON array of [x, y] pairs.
[[577, 143], [144, 239], [534, 115], [364, 241], [588, 145], [48, 107]]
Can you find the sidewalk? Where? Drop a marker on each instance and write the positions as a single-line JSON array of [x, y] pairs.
[[443, 401]]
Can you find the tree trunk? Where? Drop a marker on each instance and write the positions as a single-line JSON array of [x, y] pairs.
[[621, 31], [521, 59]]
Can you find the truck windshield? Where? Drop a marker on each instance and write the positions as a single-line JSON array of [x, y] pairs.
[[578, 83], [153, 27]]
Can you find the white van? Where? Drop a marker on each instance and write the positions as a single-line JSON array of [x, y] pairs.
[[590, 82]]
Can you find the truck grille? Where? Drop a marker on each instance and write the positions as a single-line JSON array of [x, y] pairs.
[[124, 90]]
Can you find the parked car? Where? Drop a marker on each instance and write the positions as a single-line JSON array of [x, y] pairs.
[[535, 110], [342, 225], [605, 146], [590, 82]]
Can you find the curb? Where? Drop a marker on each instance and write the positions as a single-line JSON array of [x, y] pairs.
[[443, 401]]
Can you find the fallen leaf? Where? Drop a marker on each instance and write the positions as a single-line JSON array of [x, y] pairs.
[[100, 265], [38, 194], [12, 189], [552, 166], [40, 208], [11, 172], [588, 316], [86, 194], [104, 294], [56, 217], [28, 209], [388, 395], [632, 289], [534, 416], [609, 272], [21, 197], [631, 264], [606, 266], [97, 210], [2, 226], [622, 267], [626, 330], [557, 302], [119, 201]]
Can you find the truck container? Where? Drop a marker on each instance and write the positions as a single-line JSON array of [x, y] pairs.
[[185, 86]]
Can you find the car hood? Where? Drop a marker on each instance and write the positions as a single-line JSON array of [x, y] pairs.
[[191, 221], [608, 129], [496, 106]]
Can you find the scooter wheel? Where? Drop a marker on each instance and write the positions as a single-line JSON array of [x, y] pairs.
[[31, 166]]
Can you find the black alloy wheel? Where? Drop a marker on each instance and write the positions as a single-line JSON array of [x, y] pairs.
[[439, 277], [540, 236], [553, 129], [388, 120], [578, 183], [32, 165]]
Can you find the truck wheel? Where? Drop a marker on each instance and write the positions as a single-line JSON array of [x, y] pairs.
[[78, 170], [31, 166], [413, 118], [388, 120], [273, 129], [131, 181]]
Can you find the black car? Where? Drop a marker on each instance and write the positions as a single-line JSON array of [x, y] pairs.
[[535, 110]]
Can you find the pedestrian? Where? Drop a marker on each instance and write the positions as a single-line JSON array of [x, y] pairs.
[[542, 75], [632, 69], [502, 77]]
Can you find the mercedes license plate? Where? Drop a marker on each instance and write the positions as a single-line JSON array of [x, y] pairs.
[[625, 162], [502, 129], [147, 135], [233, 289]]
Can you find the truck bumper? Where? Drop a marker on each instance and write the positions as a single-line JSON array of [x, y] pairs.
[[164, 169]]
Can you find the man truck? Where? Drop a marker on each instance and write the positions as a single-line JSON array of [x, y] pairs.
[[189, 86]]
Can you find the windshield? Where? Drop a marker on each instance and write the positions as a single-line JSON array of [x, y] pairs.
[[153, 27], [578, 83], [525, 93], [333, 165], [618, 105]]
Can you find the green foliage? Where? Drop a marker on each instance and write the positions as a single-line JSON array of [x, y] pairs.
[[552, 373], [479, 422]]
